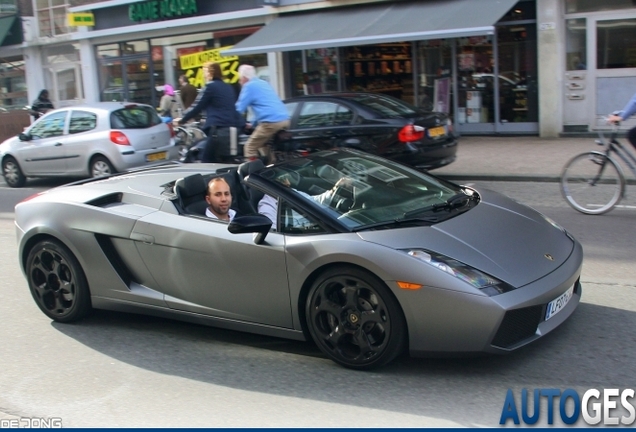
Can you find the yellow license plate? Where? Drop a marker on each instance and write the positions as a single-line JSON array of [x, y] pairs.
[[153, 157], [436, 131]]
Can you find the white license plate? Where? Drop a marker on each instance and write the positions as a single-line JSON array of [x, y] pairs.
[[153, 157], [436, 131], [558, 303]]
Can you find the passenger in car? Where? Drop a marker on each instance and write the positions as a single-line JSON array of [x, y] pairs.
[[219, 199]]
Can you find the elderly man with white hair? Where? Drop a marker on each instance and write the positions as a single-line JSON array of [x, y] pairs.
[[270, 113]]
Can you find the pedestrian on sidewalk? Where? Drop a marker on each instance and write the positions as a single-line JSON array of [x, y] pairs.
[[41, 105]]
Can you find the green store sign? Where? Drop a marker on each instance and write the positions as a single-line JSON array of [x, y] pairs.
[[161, 9]]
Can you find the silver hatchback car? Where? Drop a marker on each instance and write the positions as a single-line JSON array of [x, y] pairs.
[[91, 140]]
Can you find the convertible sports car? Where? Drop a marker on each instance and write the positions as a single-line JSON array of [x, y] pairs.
[[370, 258]]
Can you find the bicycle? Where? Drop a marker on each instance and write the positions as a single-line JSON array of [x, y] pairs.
[[593, 182], [187, 135]]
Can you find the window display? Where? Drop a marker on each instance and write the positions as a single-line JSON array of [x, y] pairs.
[[382, 68]]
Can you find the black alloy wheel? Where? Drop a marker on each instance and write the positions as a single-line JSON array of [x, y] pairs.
[[57, 282], [12, 173], [354, 319]]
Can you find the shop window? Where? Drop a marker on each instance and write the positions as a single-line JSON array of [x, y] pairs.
[[575, 44], [317, 114], [524, 10], [616, 42], [13, 89], [82, 121], [576, 6], [50, 126], [434, 68], [51, 15], [314, 71], [382, 68]]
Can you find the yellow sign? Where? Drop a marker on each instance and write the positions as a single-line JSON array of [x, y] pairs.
[[78, 19], [193, 64]]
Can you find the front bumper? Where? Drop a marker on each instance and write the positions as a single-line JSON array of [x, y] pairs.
[[449, 322]]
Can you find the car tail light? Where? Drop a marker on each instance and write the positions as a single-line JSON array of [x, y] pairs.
[[172, 134], [410, 133], [450, 126], [119, 138]]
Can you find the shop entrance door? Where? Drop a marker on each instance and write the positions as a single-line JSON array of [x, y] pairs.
[[67, 84]]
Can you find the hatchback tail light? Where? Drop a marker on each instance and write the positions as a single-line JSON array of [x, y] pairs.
[[172, 134], [119, 138], [410, 133]]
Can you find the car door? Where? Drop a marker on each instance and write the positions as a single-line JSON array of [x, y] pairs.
[[313, 126], [44, 153], [82, 136], [203, 268]]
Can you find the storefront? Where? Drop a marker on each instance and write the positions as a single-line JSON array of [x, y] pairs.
[[484, 73], [137, 47]]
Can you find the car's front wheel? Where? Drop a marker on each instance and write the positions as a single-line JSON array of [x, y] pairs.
[[12, 173], [354, 318], [100, 167], [57, 282]]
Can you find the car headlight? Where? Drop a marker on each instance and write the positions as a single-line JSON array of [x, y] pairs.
[[487, 284]]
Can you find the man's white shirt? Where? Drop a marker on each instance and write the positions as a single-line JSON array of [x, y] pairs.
[[231, 213]]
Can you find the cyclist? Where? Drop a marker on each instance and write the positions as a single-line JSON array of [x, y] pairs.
[[628, 111]]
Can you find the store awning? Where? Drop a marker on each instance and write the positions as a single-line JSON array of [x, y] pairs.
[[5, 25], [376, 23]]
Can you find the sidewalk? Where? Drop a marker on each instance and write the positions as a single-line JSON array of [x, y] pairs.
[[511, 158]]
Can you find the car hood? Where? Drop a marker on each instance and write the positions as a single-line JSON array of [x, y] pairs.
[[8, 143], [499, 236]]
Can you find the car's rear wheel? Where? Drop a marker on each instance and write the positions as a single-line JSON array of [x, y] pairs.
[[12, 173], [57, 282], [100, 167], [354, 318]]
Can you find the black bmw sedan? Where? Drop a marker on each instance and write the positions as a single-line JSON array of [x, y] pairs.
[[374, 123]]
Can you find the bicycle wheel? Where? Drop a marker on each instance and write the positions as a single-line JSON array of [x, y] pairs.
[[592, 183]]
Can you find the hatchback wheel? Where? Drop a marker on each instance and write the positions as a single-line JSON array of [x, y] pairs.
[[12, 173], [100, 167], [57, 282], [354, 319]]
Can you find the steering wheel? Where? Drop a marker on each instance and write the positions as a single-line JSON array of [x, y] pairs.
[[342, 198]]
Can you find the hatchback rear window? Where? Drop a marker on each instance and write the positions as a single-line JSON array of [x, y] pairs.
[[134, 117], [386, 106]]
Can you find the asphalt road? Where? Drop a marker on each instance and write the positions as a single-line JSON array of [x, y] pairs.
[[116, 369]]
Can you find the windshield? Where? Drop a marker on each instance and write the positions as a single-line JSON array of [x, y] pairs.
[[363, 191], [386, 106]]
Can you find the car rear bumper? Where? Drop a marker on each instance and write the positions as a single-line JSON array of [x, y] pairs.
[[135, 159], [429, 156]]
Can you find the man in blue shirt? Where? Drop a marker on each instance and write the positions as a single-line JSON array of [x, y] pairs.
[[270, 113]]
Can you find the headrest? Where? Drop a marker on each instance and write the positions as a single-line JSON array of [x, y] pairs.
[[247, 168], [190, 186]]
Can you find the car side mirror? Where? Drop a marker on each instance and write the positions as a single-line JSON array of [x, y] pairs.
[[258, 224], [24, 137]]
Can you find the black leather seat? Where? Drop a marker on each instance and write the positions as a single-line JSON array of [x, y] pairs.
[[245, 169], [190, 193]]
